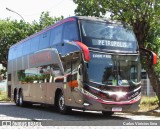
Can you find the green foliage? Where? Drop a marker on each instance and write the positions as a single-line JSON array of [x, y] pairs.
[[148, 103], [14, 31], [45, 20], [3, 96], [142, 15], [91, 7], [149, 100], [11, 32]]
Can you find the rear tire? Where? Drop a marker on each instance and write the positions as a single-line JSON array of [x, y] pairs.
[[107, 113], [16, 100], [61, 105], [22, 103]]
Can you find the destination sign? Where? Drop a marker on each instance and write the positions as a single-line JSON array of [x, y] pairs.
[[111, 43]]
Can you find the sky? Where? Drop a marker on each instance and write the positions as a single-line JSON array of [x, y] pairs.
[[31, 10]]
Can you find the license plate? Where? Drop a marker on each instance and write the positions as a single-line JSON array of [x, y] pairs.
[[116, 109]]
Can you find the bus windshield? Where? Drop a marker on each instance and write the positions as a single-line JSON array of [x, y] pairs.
[[108, 36], [114, 70]]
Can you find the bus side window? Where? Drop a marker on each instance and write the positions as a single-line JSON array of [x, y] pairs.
[[9, 77], [26, 47], [56, 35], [21, 75], [14, 53], [10, 55], [34, 44], [70, 31], [19, 50], [34, 75], [44, 40]]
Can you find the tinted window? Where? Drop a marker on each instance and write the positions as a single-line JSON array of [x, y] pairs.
[[19, 50], [10, 55], [44, 40], [41, 74], [70, 31], [56, 35], [26, 47], [9, 77], [114, 70], [14, 52], [108, 36], [34, 44]]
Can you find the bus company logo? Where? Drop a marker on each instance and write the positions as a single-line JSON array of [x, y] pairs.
[[133, 95], [20, 123], [6, 123]]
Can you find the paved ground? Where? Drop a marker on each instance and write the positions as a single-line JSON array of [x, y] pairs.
[[9, 111]]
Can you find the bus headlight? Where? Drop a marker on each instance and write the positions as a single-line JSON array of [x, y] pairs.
[[119, 94]]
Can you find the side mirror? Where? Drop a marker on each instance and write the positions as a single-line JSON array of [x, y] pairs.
[[151, 54], [153, 58]]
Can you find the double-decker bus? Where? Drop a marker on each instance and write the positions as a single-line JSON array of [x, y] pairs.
[[79, 62]]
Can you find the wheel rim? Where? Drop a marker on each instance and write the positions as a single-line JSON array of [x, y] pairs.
[[20, 99], [61, 103], [17, 97]]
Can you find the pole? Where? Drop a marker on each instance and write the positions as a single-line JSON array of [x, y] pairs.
[[16, 13]]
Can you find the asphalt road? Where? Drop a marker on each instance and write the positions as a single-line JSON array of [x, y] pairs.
[[9, 111]]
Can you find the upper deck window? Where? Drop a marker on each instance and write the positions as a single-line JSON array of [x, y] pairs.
[[70, 31], [108, 36]]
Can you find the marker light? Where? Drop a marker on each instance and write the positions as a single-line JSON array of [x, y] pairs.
[[154, 58], [73, 83], [119, 93]]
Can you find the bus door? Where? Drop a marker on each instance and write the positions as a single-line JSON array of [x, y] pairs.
[[72, 64]]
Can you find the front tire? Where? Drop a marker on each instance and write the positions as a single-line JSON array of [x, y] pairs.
[[61, 105]]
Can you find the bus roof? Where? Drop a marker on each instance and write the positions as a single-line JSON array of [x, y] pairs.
[[107, 20]]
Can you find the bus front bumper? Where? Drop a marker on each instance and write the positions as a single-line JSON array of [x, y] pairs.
[[98, 105]]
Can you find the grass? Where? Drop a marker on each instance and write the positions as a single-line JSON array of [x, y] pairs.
[[148, 103], [3, 96]]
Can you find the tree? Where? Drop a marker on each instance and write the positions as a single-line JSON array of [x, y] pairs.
[[12, 32], [142, 15], [45, 20]]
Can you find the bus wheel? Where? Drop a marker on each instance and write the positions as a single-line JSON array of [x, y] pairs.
[[17, 99], [21, 102], [107, 113], [61, 105]]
